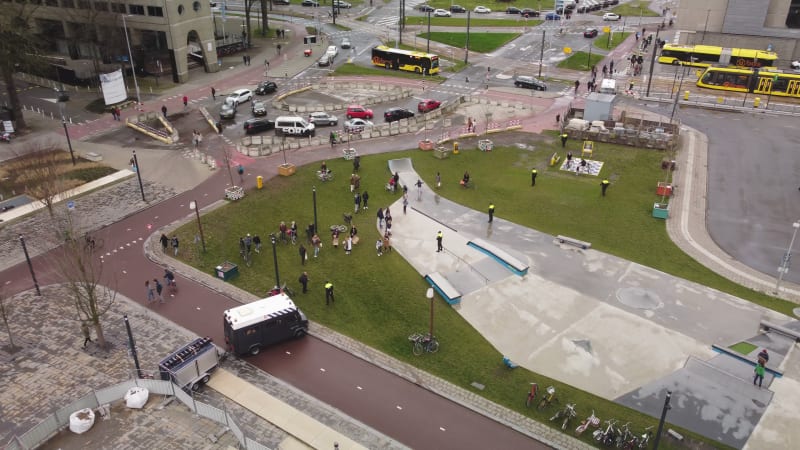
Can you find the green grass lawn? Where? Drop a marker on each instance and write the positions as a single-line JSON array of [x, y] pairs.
[[496, 6], [635, 8], [581, 61], [460, 21], [605, 43], [355, 69], [380, 300], [743, 347], [478, 42]]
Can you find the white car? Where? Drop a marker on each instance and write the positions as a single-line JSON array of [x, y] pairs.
[[441, 13], [239, 96], [332, 51], [481, 10], [356, 125], [323, 119], [610, 16]]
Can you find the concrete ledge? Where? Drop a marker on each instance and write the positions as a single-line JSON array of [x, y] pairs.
[[572, 241], [768, 326], [439, 283], [516, 266], [742, 358]]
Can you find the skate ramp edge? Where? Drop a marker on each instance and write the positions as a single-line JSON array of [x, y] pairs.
[[401, 165], [513, 264]]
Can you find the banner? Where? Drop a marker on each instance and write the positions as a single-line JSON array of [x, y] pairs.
[[113, 86]]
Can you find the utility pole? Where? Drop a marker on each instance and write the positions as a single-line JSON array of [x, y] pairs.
[[429, 33], [652, 63], [663, 417], [466, 45], [132, 347], [541, 55]]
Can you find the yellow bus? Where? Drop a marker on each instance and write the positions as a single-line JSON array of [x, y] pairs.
[[708, 55], [751, 80], [409, 60]]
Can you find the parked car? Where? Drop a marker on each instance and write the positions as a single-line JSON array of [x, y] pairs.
[[481, 10], [610, 16], [530, 83], [552, 16], [393, 114], [252, 126], [333, 51], [324, 60], [228, 110], [356, 125], [281, 2], [321, 119], [513, 10], [428, 105], [341, 4], [458, 9], [528, 12], [590, 32], [314, 3], [346, 43], [266, 87], [239, 96], [359, 112], [441, 13], [426, 8], [259, 108]]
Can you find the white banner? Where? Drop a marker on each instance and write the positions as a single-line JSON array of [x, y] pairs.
[[113, 85]]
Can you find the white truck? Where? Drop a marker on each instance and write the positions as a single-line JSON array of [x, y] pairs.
[[191, 365]]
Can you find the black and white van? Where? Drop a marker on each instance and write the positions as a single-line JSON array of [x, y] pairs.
[[251, 327], [293, 126]]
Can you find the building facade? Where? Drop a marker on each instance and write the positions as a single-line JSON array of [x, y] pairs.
[[760, 24]]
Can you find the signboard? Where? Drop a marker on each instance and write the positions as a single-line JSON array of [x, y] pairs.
[[113, 86]]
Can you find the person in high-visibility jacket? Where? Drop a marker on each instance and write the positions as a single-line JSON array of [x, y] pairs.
[[533, 177], [604, 185], [439, 237], [491, 212], [328, 292], [564, 139]]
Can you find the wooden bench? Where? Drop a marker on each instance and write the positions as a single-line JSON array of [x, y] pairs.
[[572, 241], [450, 294]]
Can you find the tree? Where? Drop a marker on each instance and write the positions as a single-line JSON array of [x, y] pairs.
[[19, 50], [4, 313], [265, 16], [43, 171]]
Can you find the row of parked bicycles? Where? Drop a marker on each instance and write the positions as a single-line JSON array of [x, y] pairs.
[[610, 435]]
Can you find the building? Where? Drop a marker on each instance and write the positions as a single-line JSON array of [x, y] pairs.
[[759, 24], [167, 37]]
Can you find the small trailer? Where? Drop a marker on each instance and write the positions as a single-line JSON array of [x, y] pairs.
[[190, 366]]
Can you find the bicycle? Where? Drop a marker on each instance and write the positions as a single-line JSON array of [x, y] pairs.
[[325, 176], [606, 436], [172, 286], [568, 413], [624, 437], [644, 440], [339, 228], [591, 420], [532, 394], [548, 399], [423, 343], [91, 243]]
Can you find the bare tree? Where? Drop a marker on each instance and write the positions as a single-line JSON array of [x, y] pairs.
[[4, 313], [265, 17], [42, 169]]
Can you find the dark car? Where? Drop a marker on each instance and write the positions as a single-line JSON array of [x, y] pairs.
[[266, 87], [426, 8], [280, 2], [228, 110], [552, 16], [512, 10], [252, 126], [528, 12], [590, 33], [393, 114], [259, 108], [458, 9], [314, 3], [530, 83]]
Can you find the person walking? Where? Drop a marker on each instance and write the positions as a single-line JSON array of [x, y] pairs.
[[379, 246], [611, 68], [303, 255], [564, 138], [159, 289], [257, 243], [439, 237], [438, 180], [87, 336], [357, 202], [175, 244], [605, 70], [577, 85], [348, 245], [533, 177], [317, 243], [763, 357], [380, 218], [213, 93], [365, 200], [151, 293], [759, 374], [304, 281], [185, 102], [164, 110], [164, 242], [558, 119], [119, 113], [405, 203], [356, 163], [603, 186], [491, 212], [329, 293], [114, 113]]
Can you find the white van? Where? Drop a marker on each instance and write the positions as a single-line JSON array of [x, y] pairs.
[[332, 51], [293, 126], [608, 86]]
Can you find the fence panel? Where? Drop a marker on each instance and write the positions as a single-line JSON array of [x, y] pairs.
[[211, 412], [87, 401], [235, 428], [185, 398], [112, 393], [159, 387], [40, 433], [253, 445]]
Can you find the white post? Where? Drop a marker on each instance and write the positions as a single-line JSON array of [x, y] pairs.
[[787, 257]]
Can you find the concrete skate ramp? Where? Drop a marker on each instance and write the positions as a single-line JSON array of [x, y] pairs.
[[706, 400], [406, 171]]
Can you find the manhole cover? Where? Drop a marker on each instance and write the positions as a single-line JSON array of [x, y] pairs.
[[638, 298]]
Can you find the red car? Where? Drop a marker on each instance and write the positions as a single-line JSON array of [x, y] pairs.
[[359, 112], [428, 105]]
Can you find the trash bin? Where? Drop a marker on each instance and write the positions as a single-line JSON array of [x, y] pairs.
[[756, 102], [259, 182], [227, 270], [686, 95], [455, 147]]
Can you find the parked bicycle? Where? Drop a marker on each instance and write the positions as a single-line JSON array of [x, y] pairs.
[[625, 439], [607, 435], [548, 399], [325, 175], [591, 420], [532, 394], [566, 414], [424, 343], [644, 439]]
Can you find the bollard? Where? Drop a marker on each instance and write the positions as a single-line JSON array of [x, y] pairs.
[[686, 95], [720, 100], [756, 102], [455, 147], [259, 182]]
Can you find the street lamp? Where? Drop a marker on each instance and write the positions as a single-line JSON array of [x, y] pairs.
[[30, 265], [429, 295], [667, 407], [429, 33], [787, 259], [132, 347], [133, 67], [138, 174], [69, 143], [193, 205], [274, 241]]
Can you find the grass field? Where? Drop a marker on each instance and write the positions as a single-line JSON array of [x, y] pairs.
[[380, 300], [355, 69], [460, 21], [581, 61], [481, 43], [635, 8], [605, 43], [743, 347]]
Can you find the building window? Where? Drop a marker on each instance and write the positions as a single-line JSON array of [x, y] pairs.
[[136, 9], [180, 9], [155, 11], [84, 4], [118, 8], [196, 6], [101, 6], [793, 18], [67, 3]]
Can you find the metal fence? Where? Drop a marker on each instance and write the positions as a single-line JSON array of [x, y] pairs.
[[59, 419]]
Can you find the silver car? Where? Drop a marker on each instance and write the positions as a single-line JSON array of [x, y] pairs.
[[321, 119]]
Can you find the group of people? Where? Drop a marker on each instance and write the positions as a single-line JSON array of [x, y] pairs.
[[154, 289], [167, 242], [197, 139]]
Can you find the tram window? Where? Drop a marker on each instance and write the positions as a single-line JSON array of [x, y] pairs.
[[780, 85]]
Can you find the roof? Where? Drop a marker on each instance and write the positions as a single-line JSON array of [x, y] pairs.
[[259, 310]]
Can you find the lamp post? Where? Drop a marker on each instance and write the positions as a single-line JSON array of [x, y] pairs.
[[787, 259], [314, 197], [705, 27], [274, 241], [69, 142], [667, 407], [193, 205], [132, 346], [429, 33], [429, 295], [541, 54], [138, 174], [652, 63], [133, 67], [30, 265]]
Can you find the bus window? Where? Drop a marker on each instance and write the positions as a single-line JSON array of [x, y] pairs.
[[780, 85]]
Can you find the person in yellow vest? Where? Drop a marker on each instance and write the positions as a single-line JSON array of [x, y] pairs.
[[604, 185], [533, 177], [328, 293], [439, 237], [564, 139], [491, 212]]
